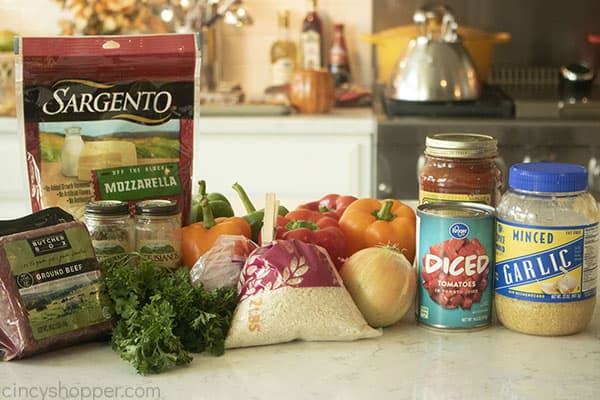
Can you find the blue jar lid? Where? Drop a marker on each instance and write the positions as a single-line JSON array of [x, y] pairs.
[[548, 177]]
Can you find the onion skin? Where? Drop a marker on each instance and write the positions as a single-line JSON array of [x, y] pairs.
[[382, 283]]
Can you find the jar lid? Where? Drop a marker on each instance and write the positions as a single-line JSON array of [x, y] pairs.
[[548, 177], [461, 145], [157, 207], [107, 207]]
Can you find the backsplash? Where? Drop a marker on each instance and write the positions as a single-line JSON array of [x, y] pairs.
[[244, 52]]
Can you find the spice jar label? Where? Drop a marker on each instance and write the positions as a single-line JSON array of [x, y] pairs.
[[542, 264], [162, 252], [109, 248]]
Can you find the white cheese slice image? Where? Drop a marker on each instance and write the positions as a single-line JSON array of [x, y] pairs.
[[105, 154]]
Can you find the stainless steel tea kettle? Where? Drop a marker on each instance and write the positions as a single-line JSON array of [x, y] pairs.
[[436, 66]]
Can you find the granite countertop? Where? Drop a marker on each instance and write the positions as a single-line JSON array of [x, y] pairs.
[[407, 362], [347, 121]]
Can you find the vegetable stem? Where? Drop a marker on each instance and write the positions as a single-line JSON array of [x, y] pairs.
[[385, 212], [244, 198], [207, 214], [297, 224], [202, 187], [323, 209]]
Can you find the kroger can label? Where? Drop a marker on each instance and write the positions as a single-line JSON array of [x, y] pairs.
[[455, 251]]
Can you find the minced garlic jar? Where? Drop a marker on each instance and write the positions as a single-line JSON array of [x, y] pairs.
[[546, 250]]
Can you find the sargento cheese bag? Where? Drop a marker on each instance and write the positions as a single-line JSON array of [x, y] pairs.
[[108, 118]]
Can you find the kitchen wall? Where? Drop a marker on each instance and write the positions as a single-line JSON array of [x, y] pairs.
[[31, 17], [244, 52]]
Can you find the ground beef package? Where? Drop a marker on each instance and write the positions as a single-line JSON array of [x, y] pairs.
[[107, 118], [51, 289]]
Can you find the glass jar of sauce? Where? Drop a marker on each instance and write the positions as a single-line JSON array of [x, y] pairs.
[[158, 231], [460, 167]]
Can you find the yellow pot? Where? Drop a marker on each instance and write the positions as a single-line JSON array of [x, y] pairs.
[[392, 43]]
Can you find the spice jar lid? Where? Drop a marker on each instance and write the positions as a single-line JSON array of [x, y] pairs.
[[461, 145], [107, 207], [548, 177], [157, 207]]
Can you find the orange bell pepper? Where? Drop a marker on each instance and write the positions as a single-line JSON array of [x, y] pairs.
[[199, 237], [370, 222]]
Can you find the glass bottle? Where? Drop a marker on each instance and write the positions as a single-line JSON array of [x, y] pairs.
[[158, 231], [71, 151], [283, 52], [339, 64], [311, 39]]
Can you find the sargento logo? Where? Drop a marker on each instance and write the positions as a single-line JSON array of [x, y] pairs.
[[69, 96]]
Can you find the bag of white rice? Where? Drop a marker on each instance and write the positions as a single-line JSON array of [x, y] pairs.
[[290, 290]]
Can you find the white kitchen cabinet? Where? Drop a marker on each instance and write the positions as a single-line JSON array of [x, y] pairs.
[[14, 194], [299, 157]]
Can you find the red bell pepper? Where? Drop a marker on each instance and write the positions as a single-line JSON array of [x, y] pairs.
[[331, 205], [313, 227]]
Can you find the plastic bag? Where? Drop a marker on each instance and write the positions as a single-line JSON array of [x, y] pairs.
[[108, 118], [290, 290], [220, 266]]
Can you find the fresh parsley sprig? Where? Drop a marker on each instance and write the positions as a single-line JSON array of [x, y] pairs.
[[161, 317]]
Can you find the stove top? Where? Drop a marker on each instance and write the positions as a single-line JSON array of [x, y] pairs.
[[521, 102], [493, 103], [550, 102]]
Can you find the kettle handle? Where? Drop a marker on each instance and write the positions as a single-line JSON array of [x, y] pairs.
[[438, 14]]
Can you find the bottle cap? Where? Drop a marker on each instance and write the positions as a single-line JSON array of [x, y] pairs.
[[548, 177]]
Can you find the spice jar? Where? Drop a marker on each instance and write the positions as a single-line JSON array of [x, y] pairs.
[[158, 231], [460, 167], [546, 250], [110, 227]]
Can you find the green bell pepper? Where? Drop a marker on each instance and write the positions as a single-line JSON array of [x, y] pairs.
[[219, 205], [254, 217]]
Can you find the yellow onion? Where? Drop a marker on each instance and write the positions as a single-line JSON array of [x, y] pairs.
[[381, 282]]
